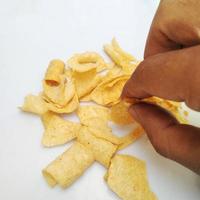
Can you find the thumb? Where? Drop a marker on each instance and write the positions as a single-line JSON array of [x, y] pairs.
[[175, 141]]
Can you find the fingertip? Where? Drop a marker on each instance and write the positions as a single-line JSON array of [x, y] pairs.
[[126, 90]]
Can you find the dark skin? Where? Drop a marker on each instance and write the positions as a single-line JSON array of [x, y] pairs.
[[170, 70]]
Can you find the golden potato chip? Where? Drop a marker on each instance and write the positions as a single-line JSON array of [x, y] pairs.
[[127, 177], [100, 129], [121, 52], [120, 57], [108, 93], [69, 166], [57, 130], [113, 54], [171, 106], [46, 118], [113, 73], [102, 149], [60, 94], [120, 115], [68, 73], [86, 61], [85, 82], [86, 98], [55, 69], [69, 108], [34, 104], [131, 137], [92, 111]]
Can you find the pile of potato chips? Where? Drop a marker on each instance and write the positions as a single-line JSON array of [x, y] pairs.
[[86, 77]]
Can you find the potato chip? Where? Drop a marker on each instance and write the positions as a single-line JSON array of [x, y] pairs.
[[86, 98], [120, 57], [113, 54], [85, 82], [121, 52], [60, 94], [100, 129], [57, 130], [69, 108], [102, 149], [108, 93], [34, 104], [131, 137], [86, 61], [46, 118], [92, 111], [113, 73], [172, 106], [55, 69], [127, 177], [69, 166], [120, 115]]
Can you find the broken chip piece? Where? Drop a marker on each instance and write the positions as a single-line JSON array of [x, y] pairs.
[[57, 130], [127, 177]]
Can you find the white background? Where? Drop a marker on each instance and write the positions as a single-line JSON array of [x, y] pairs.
[[31, 33]]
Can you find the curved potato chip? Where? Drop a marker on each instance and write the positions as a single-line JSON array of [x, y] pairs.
[[69, 108], [171, 106], [108, 93], [55, 69], [121, 52], [60, 94], [69, 166], [120, 57], [86, 61], [127, 177], [102, 149], [113, 54], [86, 98], [85, 82], [34, 104], [92, 111], [114, 72], [57, 130], [120, 115]]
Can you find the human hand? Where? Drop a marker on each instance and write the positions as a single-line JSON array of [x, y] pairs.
[[170, 70]]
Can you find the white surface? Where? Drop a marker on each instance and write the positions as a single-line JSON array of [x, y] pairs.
[[31, 33]]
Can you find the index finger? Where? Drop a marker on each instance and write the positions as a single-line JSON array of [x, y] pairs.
[[172, 75]]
